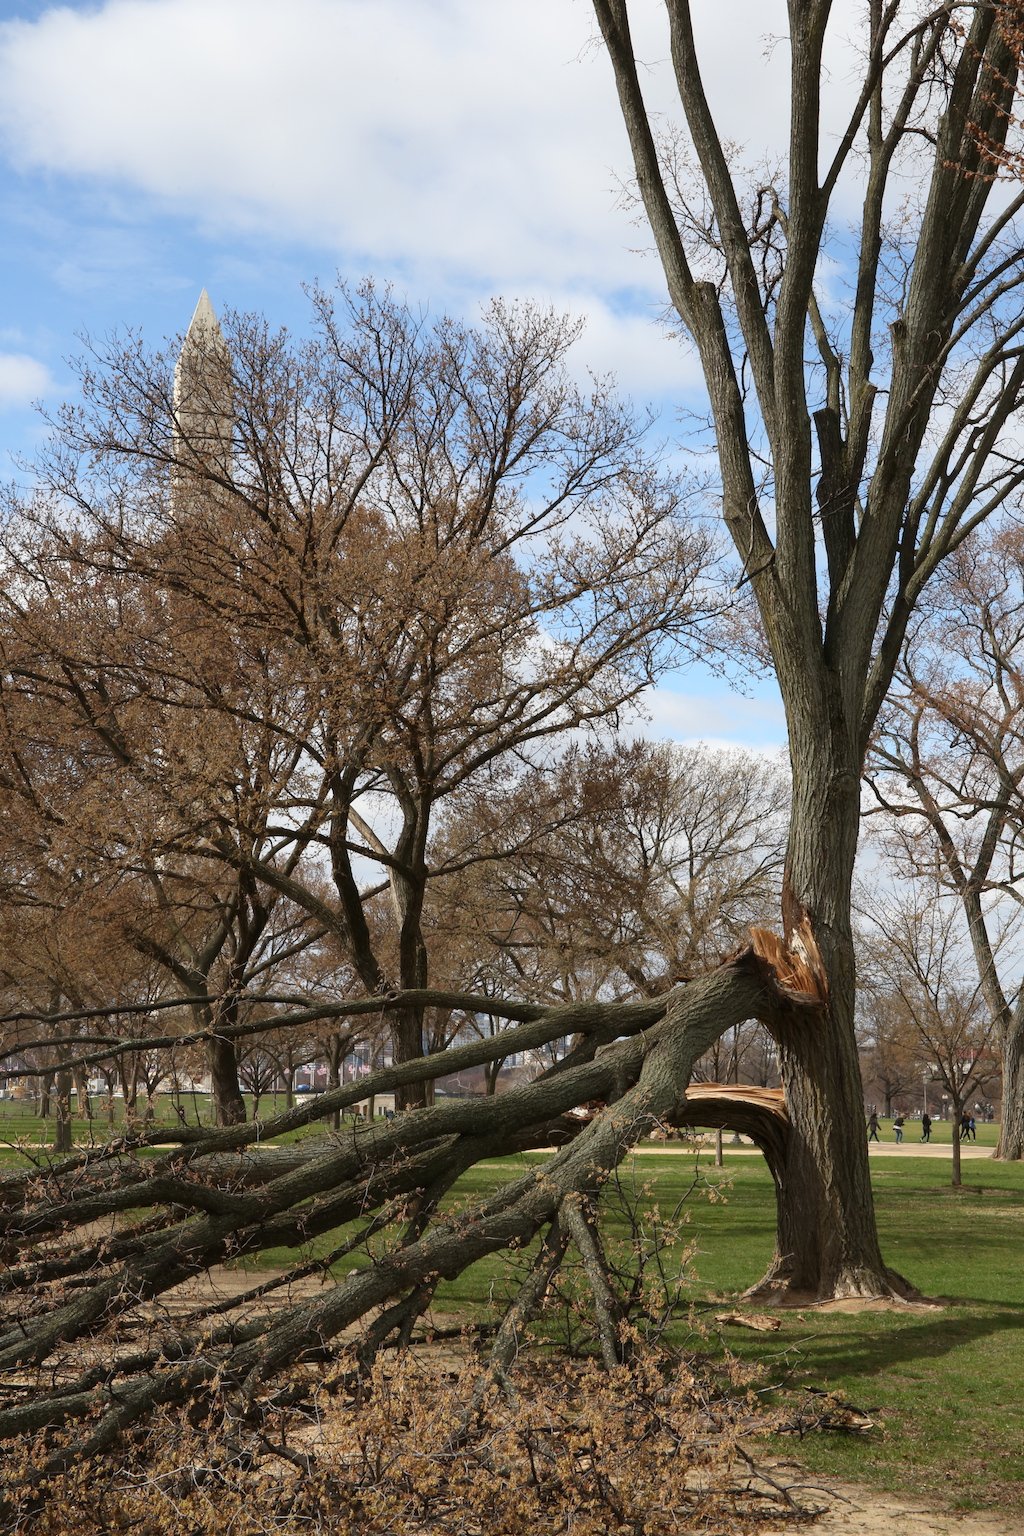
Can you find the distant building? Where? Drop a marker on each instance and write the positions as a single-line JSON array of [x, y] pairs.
[[203, 414]]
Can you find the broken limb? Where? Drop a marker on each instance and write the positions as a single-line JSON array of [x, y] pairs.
[[411, 1160]]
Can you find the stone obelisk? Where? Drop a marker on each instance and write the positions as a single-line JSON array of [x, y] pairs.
[[202, 405]]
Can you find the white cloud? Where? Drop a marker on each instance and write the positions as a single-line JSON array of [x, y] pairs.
[[22, 379], [460, 147], [462, 138], [725, 719], [456, 133]]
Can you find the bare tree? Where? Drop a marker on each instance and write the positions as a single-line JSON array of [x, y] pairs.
[[920, 956], [136, 730], [430, 545], [404, 656], [430, 558], [948, 771], [891, 1054], [614, 871], [873, 432]]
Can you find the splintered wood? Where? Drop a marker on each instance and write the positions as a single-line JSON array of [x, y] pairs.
[[757, 1321], [798, 966], [771, 1100]]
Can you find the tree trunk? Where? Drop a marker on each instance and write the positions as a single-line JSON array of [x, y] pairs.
[[958, 1115], [229, 1105], [62, 1124], [827, 1239], [1011, 1129], [407, 1033], [827, 1244], [82, 1098], [335, 1057], [130, 1086]]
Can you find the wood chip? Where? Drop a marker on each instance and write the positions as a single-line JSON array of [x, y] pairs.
[[755, 1320]]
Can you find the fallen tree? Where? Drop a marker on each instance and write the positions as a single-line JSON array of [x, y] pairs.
[[96, 1242]]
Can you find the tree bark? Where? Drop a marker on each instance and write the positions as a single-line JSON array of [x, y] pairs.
[[335, 1060], [407, 1034], [62, 1140], [1011, 1129], [229, 1105], [82, 1098], [958, 1115], [759, 1113], [827, 1239], [129, 1086]]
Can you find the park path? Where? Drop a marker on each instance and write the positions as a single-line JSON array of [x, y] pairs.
[[916, 1148], [912, 1148], [855, 1511]]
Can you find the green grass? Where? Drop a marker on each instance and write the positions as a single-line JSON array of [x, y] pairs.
[[942, 1132], [943, 1386], [20, 1122]]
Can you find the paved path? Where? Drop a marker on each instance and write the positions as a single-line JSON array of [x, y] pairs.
[[912, 1148], [918, 1148]]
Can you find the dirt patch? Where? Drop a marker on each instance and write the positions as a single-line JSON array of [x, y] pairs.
[[857, 1511], [857, 1304], [806, 1301], [702, 1145], [220, 1283]]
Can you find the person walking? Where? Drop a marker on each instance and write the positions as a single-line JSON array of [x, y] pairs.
[[897, 1126], [965, 1126], [873, 1126], [926, 1126]]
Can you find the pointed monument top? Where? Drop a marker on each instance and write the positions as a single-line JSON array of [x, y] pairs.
[[204, 319], [203, 416]]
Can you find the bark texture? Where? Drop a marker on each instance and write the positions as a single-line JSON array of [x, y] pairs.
[[227, 1091], [1011, 1130]]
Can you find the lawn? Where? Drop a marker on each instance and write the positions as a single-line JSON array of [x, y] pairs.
[[20, 1122], [942, 1386]]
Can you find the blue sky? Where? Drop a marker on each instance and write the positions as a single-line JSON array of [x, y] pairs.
[[459, 148]]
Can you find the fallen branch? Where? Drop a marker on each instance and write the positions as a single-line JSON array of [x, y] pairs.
[[211, 1200]]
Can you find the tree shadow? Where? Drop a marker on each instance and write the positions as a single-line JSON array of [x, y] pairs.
[[909, 1340]]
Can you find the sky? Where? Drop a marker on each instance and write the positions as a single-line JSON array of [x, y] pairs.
[[456, 148]]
